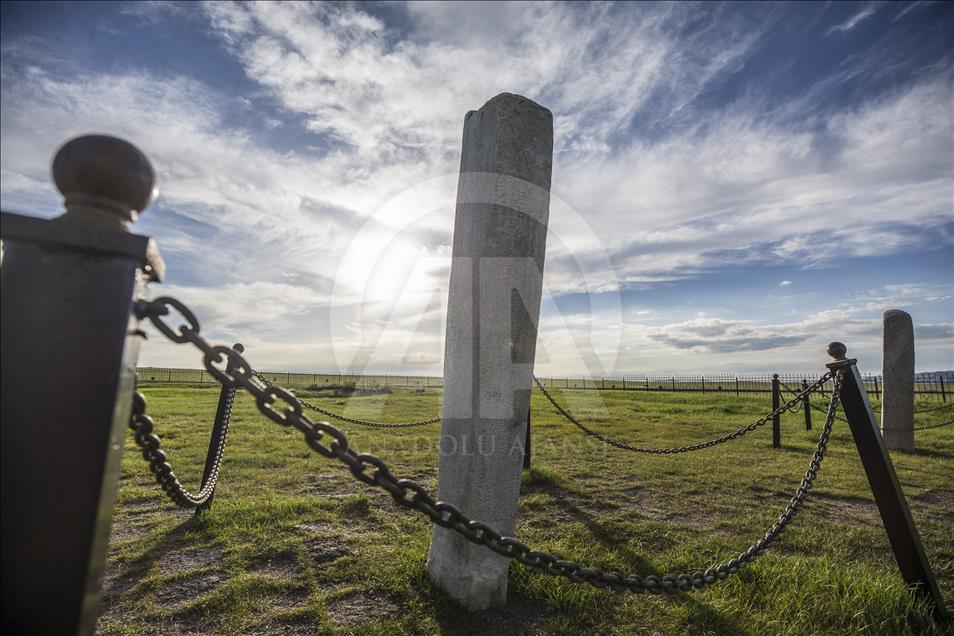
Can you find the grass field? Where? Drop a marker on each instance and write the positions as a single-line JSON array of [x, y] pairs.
[[294, 545]]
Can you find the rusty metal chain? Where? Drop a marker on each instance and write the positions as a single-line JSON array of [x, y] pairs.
[[681, 449], [151, 447], [351, 420], [410, 494]]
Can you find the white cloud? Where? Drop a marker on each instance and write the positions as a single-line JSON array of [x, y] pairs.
[[852, 22], [785, 283], [740, 186]]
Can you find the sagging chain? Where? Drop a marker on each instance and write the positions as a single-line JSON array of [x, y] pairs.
[[937, 408], [822, 410], [924, 427], [350, 420], [683, 449], [792, 391], [151, 447], [410, 494]]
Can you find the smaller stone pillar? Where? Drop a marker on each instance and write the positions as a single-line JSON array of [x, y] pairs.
[[897, 403]]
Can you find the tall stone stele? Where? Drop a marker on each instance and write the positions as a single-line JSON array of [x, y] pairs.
[[500, 233], [897, 404]]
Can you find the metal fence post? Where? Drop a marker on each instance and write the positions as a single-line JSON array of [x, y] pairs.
[[807, 405], [902, 533], [69, 345], [776, 418], [943, 393]]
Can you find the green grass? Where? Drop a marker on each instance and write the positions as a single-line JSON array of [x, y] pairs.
[[293, 544]]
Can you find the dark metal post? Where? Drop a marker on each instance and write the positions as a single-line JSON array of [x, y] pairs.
[[807, 405], [220, 430], [776, 418], [943, 393], [877, 391], [902, 533], [526, 443], [69, 345]]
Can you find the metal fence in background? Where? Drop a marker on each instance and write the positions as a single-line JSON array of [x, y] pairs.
[[927, 386]]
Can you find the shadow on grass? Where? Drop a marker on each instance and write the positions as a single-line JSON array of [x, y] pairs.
[[929, 452], [171, 541], [614, 537]]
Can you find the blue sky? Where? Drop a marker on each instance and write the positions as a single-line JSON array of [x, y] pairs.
[[734, 185]]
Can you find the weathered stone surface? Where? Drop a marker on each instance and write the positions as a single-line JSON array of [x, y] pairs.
[[897, 405], [500, 232]]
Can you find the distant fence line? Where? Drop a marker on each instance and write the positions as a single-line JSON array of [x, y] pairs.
[[930, 386]]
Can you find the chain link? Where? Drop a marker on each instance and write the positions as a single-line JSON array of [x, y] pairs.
[[410, 494], [351, 420], [681, 449], [151, 447]]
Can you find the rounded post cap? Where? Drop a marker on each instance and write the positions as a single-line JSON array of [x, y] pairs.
[[837, 350], [238, 347], [105, 173]]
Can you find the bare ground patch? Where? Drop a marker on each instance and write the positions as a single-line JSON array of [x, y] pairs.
[[327, 549], [120, 579], [642, 503], [175, 592], [289, 600], [520, 616], [359, 607], [129, 529], [189, 558], [141, 507], [283, 566], [937, 503], [315, 527], [189, 622], [285, 627], [940, 498], [855, 512], [291, 614]]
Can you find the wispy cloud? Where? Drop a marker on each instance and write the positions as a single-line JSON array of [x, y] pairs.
[[909, 6], [663, 172], [853, 21]]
